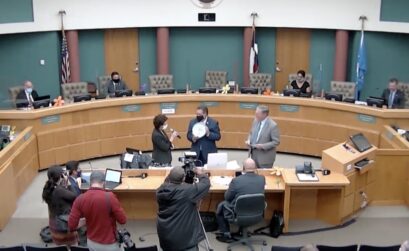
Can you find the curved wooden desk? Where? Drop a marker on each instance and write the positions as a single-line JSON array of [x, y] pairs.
[[105, 127]]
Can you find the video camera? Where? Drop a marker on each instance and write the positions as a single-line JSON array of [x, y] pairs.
[[124, 237], [189, 165]]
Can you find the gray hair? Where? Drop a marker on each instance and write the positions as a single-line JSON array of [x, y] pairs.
[[97, 177], [263, 109]]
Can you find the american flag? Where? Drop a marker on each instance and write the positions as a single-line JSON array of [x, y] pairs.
[[65, 64], [254, 54]]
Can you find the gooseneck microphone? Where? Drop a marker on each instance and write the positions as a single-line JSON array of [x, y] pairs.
[[171, 130]]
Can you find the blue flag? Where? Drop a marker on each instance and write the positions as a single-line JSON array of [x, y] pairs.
[[360, 67]]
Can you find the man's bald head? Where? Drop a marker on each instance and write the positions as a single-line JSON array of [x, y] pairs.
[[28, 84], [249, 165]]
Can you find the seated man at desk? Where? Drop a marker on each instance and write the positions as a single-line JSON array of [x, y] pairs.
[[248, 183], [115, 84], [27, 96], [394, 98]]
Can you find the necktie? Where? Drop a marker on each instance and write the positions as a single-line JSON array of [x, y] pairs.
[[390, 100], [255, 134]]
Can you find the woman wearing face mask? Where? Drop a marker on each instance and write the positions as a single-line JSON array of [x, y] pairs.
[[300, 83], [162, 144], [59, 198], [115, 84]]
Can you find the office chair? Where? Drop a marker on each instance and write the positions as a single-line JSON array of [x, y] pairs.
[[374, 248], [343, 248], [77, 248], [59, 248], [248, 211], [15, 248]]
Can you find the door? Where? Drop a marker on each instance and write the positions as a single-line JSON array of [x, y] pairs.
[[122, 55], [292, 54]]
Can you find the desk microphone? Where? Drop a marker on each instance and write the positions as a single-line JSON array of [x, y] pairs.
[[90, 165], [142, 176], [171, 130]]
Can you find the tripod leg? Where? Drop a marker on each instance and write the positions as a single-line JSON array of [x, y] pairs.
[[209, 248]]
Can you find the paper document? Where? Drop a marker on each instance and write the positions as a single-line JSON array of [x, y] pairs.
[[232, 165], [221, 180], [307, 177], [128, 157]]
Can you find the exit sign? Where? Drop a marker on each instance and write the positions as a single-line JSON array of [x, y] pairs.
[[207, 17]]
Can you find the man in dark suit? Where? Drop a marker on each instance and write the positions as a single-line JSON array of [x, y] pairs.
[[394, 97], [27, 96], [248, 183], [206, 144], [115, 84], [74, 174]]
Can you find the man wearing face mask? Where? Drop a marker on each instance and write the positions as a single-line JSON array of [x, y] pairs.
[[74, 177], [206, 144], [115, 84], [162, 144], [27, 96]]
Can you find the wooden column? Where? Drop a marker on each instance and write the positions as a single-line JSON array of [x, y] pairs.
[[247, 37], [341, 55], [74, 55], [162, 50]]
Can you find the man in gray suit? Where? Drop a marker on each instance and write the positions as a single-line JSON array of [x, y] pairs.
[[115, 84], [248, 183], [263, 139]]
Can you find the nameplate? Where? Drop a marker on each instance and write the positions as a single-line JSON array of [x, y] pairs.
[[50, 119], [131, 108], [248, 106], [366, 118], [289, 108], [168, 108], [210, 103], [27, 136]]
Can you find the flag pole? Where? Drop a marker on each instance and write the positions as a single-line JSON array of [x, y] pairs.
[[362, 18], [62, 13]]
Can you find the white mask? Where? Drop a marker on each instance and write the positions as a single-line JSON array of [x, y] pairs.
[[165, 126]]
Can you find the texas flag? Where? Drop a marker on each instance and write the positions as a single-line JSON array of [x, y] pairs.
[[254, 54]]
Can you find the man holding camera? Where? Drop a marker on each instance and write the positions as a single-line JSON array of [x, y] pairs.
[[178, 223], [102, 211]]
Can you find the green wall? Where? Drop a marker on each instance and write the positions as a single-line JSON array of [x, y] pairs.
[[91, 49], [387, 56], [16, 11], [322, 54], [266, 40], [20, 60], [147, 54], [195, 50]]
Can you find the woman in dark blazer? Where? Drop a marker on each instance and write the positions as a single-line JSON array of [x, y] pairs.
[[162, 144]]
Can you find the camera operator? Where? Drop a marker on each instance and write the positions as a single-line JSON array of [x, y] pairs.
[[178, 223], [101, 210]]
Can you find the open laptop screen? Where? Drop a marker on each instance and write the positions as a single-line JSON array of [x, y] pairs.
[[112, 175]]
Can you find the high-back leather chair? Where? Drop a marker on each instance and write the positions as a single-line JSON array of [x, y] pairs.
[[103, 84], [69, 90], [404, 87], [248, 211], [216, 79], [13, 91], [347, 89], [261, 80], [160, 82]]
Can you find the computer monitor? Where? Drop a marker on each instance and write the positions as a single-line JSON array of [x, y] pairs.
[[216, 160], [82, 97], [374, 101], [140, 93], [123, 93], [360, 142], [101, 96], [333, 96], [166, 91], [207, 90], [181, 91], [291, 93], [349, 100], [41, 103], [42, 97], [249, 90], [306, 95]]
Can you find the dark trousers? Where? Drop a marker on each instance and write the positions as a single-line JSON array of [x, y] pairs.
[[222, 215]]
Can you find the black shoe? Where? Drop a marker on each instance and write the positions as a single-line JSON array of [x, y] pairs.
[[225, 239]]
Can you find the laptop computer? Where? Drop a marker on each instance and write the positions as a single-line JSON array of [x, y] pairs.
[[113, 178], [85, 180], [216, 160]]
